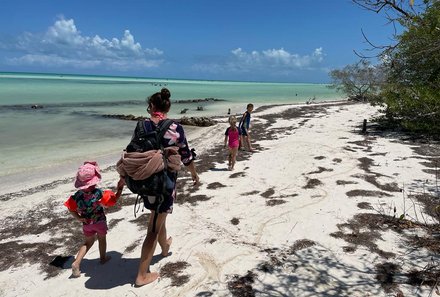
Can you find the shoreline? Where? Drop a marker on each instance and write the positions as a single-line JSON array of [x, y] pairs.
[[42, 178], [38, 177], [307, 209]]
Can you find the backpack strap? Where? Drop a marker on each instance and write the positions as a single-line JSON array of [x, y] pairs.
[[140, 127], [160, 132], [161, 129]]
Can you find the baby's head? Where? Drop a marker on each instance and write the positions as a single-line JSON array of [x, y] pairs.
[[232, 120], [88, 176]]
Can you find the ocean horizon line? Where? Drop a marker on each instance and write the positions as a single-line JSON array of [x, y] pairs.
[[73, 75]]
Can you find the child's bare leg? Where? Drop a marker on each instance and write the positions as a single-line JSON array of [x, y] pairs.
[[234, 152], [245, 142], [248, 143], [102, 241], [144, 275], [164, 242], [242, 142], [89, 240]]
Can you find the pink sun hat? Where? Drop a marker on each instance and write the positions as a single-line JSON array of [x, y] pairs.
[[88, 175]]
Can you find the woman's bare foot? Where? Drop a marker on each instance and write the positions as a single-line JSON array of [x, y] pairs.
[[166, 248], [105, 260], [75, 270], [147, 279]]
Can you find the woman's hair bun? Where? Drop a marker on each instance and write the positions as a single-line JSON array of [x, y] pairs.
[[165, 94], [160, 101]]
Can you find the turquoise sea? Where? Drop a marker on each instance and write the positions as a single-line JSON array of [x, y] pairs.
[[70, 125]]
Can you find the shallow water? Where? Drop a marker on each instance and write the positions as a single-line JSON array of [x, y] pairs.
[[70, 125]]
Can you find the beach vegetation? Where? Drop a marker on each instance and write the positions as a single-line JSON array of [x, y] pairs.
[[360, 81], [411, 97], [242, 285], [174, 271], [410, 94]]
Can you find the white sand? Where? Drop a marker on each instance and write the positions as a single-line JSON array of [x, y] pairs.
[[216, 249]]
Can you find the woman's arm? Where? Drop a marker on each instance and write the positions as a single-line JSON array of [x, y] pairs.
[[119, 189], [187, 155], [192, 168], [121, 183]]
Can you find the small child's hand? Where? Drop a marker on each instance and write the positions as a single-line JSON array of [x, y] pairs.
[[82, 220]]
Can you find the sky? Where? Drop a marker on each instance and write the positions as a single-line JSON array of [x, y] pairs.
[[238, 40]]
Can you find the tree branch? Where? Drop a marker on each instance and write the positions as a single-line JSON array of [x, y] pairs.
[[378, 5]]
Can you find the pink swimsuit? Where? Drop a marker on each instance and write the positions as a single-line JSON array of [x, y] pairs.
[[233, 137]]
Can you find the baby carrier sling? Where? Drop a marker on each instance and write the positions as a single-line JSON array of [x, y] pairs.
[[155, 185]]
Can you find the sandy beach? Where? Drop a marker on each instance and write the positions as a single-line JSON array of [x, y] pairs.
[[314, 211]]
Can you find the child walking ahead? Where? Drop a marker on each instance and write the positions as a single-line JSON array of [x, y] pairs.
[[244, 125], [234, 141], [87, 206]]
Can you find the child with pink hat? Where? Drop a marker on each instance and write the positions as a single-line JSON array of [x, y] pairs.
[[87, 206]]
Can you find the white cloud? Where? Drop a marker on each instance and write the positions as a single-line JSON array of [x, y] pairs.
[[63, 32], [64, 45], [276, 60]]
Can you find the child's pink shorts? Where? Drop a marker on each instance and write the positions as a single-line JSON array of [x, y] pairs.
[[99, 228]]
